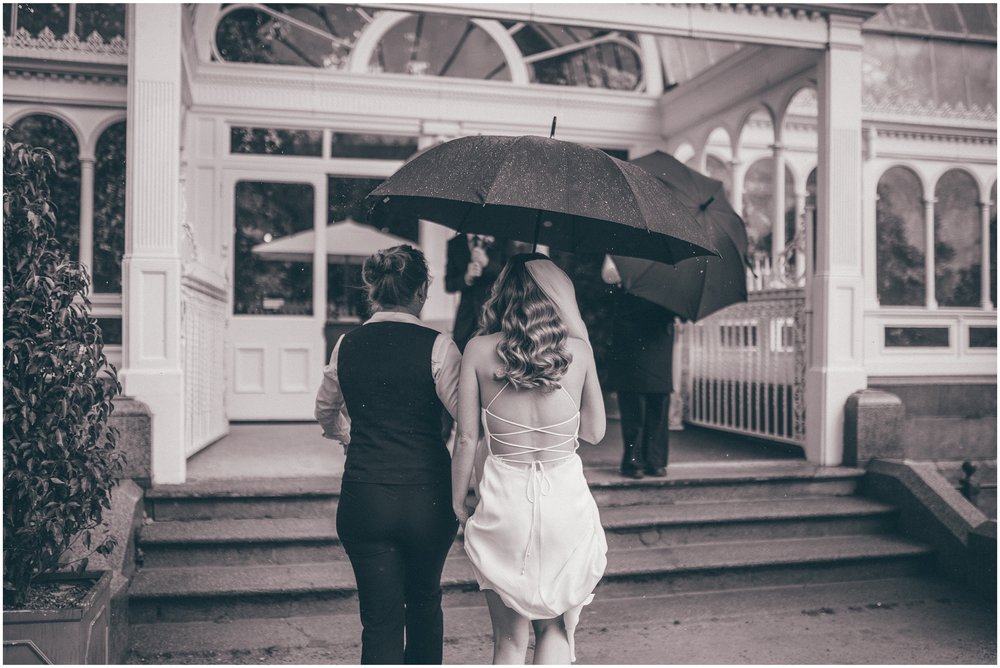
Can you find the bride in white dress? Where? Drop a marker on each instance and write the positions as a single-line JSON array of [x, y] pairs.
[[529, 386]]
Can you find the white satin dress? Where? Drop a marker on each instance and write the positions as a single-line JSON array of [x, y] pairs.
[[536, 537]]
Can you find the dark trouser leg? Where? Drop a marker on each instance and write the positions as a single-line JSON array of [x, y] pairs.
[[432, 528], [656, 430], [631, 405], [364, 527]]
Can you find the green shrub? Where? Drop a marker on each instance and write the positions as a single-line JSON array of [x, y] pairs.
[[59, 455]]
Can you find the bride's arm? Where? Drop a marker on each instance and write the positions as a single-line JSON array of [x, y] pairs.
[[593, 421], [467, 436]]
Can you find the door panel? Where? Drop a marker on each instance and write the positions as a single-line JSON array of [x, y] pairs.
[[278, 306]]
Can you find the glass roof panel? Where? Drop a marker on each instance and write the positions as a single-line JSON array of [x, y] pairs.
[[908, 16], [980, 73], [949, 70], [910, 71], [979, 20], [685, 58], [944, 17]]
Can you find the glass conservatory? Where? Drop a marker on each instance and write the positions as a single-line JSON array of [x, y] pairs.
[[857, 142]]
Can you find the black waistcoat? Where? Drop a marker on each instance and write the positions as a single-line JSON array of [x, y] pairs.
[[385, 375]]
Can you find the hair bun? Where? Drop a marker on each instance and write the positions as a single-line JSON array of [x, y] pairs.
[[392, 275]]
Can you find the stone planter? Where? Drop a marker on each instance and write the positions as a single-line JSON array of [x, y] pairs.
[[66, 636]]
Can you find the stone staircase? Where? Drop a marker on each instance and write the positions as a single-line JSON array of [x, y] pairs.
[[246, 564]]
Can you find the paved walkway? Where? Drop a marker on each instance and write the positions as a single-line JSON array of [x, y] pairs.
[[896, 621], [296, 449]]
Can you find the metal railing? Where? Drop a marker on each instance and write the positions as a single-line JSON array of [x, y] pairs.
[[744, 367]]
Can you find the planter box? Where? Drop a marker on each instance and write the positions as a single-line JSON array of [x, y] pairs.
[[67, 636]]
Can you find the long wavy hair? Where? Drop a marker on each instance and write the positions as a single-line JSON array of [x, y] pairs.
[[532, 344]]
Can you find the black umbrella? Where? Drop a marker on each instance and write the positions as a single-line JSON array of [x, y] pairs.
[[699, 286], [564, 195]]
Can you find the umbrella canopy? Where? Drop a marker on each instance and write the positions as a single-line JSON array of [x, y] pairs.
[[697, 287], [564, 195], [347, 242]]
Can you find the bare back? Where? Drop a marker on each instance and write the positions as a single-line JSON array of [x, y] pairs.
[[528, 425]]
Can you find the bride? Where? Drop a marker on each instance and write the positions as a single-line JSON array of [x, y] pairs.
[[529, 385]]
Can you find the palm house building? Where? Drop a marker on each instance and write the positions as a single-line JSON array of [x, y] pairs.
[[858, 142]]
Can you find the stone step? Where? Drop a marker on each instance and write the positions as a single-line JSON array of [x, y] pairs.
[[150, 642], [234, 542], [289, 590], [754, 520], [316, 497], [724, 482]]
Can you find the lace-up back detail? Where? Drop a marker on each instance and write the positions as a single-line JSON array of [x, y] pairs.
[[522, 452]]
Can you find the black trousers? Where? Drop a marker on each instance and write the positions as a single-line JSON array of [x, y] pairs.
[[397, 538], [645, 420]]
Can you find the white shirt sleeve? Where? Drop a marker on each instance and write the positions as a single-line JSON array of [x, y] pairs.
[[446, 362], [331, 411]]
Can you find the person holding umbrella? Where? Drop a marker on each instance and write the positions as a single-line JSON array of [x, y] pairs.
[[383, 394], [529, 387], [641, 364]]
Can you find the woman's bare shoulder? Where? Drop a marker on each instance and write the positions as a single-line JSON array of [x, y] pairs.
[[577, 345], [482, 345]]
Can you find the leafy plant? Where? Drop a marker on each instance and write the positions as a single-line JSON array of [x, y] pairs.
[[59, 455]]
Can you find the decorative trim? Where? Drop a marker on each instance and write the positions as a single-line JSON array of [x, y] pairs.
[[929, 379], [69, 47], [929, 109], [46, 71], [934, 136], [198, 281]]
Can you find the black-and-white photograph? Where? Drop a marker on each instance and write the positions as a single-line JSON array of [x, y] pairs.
[[467, 333]]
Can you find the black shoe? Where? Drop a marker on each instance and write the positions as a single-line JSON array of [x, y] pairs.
[[657, 472], [632, 473]]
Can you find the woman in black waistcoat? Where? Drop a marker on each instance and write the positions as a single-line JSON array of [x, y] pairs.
[[383, 395]]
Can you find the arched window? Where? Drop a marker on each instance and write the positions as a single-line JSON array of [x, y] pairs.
[[109, 209], [719, 171], [957, 240], [440, 45], [900, 247], [578, 56], [309, 35], [325, 35], [43, 131], [758, 205]]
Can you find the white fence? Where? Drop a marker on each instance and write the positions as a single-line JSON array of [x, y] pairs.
[[744, 367], [203, 320]]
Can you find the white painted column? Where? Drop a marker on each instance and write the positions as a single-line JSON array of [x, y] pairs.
[[87, 214], [836, 355], [737, 170], [439, 310], [984, 273], [930, 282], [151, 268], [778, 216], [800, 233]]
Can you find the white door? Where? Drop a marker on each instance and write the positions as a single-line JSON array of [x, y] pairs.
[[275, 345]]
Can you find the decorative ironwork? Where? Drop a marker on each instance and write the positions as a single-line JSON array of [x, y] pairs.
[[23, 43]]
